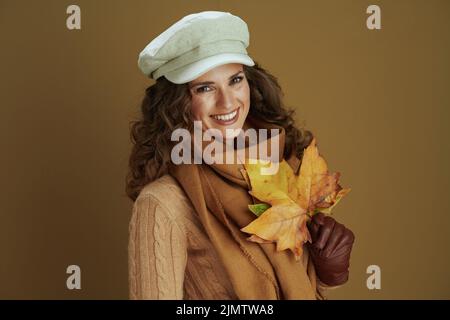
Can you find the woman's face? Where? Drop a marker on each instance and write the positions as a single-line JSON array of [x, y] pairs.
[[221, 98]]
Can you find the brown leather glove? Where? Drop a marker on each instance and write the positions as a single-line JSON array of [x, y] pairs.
[[330, 249]]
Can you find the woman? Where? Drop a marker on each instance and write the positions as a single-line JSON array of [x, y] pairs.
[[185, 238]]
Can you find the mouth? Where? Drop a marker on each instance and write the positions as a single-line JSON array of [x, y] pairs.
[[227, 118]]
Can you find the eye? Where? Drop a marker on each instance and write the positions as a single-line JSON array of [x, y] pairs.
[[239, 78], [200, 90], [233, 81]]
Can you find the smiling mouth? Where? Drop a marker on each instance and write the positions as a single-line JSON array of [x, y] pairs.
[[226, 117]]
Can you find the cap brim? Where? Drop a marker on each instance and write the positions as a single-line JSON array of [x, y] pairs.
[[196, 69]]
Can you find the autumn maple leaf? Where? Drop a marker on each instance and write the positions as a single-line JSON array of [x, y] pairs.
[[289, 200]]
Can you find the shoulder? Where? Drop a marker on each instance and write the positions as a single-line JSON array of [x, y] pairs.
[[160, 186], [166, 193]]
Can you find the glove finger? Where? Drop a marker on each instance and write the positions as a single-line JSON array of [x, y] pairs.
[[313, 231], [348, 238], [318, 218], [334, 239], [324, 233], [341, 262], [341, 251]]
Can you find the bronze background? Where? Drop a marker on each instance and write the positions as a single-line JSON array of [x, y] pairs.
[[377, 100]]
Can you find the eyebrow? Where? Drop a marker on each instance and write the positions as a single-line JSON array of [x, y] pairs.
[[212, 82]]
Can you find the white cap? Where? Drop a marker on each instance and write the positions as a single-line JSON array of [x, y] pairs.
[[196, 44]]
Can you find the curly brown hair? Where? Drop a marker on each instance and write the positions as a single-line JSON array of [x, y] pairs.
[[166, 106]]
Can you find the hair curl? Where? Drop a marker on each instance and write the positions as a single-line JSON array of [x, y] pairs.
[[166, 107]]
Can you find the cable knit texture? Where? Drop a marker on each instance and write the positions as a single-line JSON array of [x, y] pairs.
[[169, 253]]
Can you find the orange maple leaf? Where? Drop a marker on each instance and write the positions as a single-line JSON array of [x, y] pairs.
[[291, 200]]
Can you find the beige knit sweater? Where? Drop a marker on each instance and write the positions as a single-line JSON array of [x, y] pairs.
[[169, 253]]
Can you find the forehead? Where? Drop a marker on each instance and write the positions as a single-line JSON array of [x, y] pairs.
[[219, 73]]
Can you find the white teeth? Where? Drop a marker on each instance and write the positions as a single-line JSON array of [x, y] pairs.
[[226, 117]]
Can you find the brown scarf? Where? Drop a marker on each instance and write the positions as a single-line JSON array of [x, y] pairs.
[[219, 194]]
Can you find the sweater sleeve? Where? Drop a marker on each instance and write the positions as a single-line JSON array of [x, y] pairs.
[[323, 289], [157, 252]]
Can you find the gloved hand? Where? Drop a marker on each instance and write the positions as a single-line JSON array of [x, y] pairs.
[[330, 249]]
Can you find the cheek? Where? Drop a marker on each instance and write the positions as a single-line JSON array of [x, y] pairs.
[[245, 95], [197, 109], [195, 112]]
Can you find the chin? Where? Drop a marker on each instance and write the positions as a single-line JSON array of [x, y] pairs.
[[235, 133]]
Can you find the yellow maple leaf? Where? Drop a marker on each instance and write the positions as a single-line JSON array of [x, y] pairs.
[[292, 199]]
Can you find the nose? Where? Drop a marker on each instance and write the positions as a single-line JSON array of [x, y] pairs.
[[226, 100]]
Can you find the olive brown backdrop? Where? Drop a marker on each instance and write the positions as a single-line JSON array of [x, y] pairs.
[[377, 100]]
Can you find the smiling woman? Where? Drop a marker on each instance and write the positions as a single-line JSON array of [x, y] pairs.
[[185, 231]]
